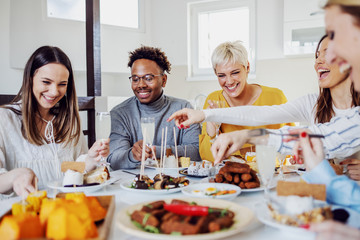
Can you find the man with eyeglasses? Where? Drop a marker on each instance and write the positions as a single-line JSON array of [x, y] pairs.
[[148, 78]]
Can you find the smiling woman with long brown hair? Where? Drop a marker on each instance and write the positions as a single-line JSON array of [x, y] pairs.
[[41, 128]]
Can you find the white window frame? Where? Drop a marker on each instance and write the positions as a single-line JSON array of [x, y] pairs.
[[194, 8], [141, 18]]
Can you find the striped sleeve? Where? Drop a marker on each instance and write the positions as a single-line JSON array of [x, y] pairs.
[[342, 136]]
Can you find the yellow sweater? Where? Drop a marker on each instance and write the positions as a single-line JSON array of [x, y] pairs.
[[268, 96]]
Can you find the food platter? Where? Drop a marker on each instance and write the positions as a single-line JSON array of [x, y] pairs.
[[263, 215], [244, 190], [126, 185], [57, 184], [184, 172], [243, 218], [202, 190]]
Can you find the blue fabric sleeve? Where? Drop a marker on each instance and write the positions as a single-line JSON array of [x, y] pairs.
[[340, 190]]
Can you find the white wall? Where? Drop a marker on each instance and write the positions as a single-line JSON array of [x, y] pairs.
[[10, 79], [272, 68], [24, 27]]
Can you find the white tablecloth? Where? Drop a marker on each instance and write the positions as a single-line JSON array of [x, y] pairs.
[[124, 198]]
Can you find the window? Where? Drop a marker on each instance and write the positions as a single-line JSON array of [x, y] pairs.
[[211, 23], [123, 13]]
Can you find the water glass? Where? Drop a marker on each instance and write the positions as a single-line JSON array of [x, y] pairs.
[[148, 123], [218, 104], [266, 159], [281, 158], [102, 129]]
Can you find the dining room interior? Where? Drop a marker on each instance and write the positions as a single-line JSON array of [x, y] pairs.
[[281, 37]]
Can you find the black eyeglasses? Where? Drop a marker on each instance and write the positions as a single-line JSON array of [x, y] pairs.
[[148, 78]]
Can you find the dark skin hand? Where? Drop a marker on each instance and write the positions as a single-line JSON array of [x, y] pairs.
[[137, 151]]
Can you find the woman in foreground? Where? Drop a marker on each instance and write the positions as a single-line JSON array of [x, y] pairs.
[[41, 128]]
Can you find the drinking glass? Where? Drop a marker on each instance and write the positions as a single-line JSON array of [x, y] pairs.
[[266, 159], [281, 158], [103, 129], [217, 104], [148, 123]]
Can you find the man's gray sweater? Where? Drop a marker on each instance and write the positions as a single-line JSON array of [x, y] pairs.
[[126, 130]]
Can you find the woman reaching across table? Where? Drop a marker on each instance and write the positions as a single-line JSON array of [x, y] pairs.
[[336, 98], [41, 128], [231, 66]]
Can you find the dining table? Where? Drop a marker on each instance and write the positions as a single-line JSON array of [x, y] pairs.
[[124, 198]]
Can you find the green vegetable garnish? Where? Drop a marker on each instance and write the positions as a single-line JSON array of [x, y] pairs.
[[151, 229], [149, 206], [146, 217], [223, 212], [176, 233], [146, 228], [193, 203], [137, 224]]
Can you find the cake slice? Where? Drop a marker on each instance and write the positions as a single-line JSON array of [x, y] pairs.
[[98, 175]]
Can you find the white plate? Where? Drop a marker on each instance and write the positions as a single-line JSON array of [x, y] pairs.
[[243, 217], [220, 186], [126, 186], [89, 189], [261, 188], [158, 169], [263, 214]]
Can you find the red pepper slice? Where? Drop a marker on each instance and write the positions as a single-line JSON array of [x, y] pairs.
[[187, 210]]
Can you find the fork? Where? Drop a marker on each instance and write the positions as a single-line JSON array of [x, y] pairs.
[[262, 131]]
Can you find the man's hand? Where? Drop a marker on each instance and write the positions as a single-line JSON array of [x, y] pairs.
[[137, 151]]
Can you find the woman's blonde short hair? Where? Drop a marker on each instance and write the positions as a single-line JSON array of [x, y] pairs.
[[229, 52]]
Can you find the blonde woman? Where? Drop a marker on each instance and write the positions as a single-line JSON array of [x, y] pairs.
[[231, 66]]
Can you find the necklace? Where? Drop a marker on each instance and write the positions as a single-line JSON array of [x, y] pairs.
[[49, 130]]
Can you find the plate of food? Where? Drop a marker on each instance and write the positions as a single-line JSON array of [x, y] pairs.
[[220, 219], [158, 185], [255, 188], [295, 213], [90, 217], [212, 190], [74, 181], [239, 174], [198, 169], [185, 172]]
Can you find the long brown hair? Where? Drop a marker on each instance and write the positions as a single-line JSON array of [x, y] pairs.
[[67, 120], [324, 105]]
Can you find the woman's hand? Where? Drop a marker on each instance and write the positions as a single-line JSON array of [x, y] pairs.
[[24, 181], [211, 127], [311, 150], [228, 143], [186, 116], [329, 230], [99, 149], [297, 150], [353, 168]]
